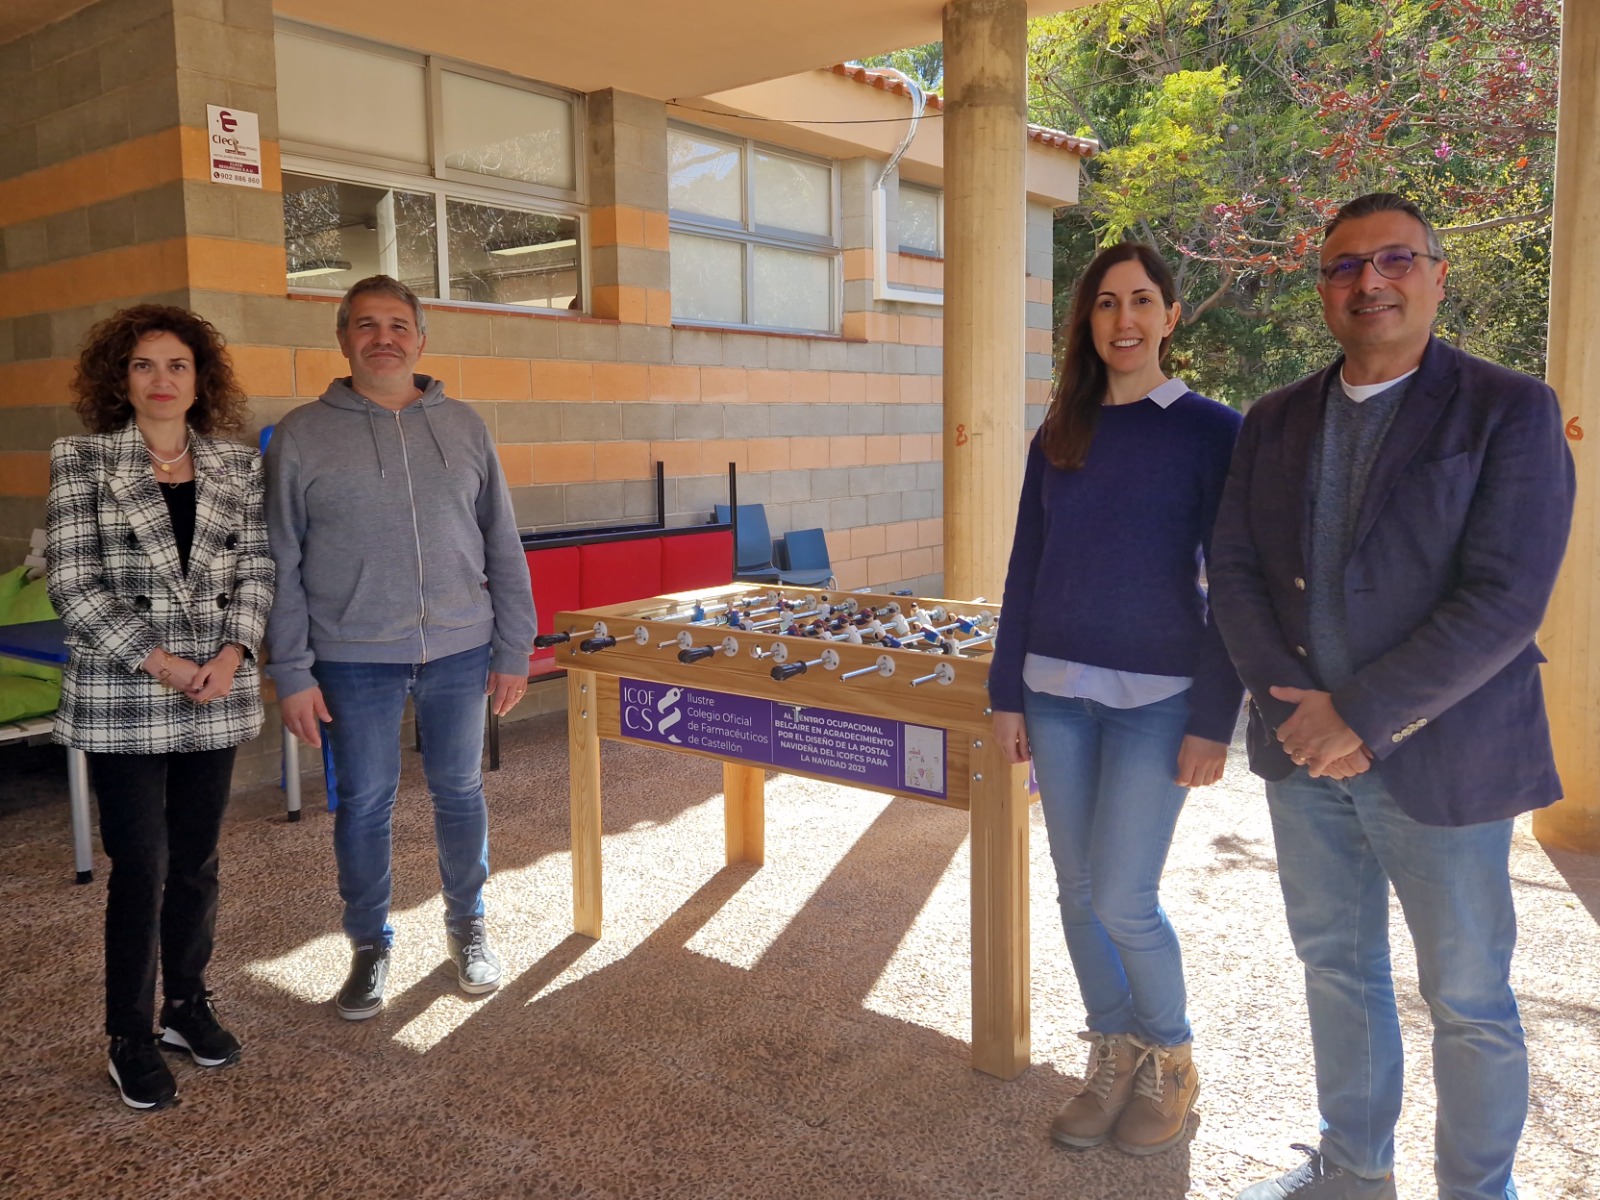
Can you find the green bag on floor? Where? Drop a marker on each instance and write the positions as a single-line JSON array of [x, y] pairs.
[[27, 689]]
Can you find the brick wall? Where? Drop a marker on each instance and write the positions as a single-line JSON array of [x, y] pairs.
[[105, 200]]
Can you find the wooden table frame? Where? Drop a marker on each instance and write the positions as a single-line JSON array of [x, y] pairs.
[[993, 791]]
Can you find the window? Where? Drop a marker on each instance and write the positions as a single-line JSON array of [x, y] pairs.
[[754, 234], [465, 185], [920, 220]]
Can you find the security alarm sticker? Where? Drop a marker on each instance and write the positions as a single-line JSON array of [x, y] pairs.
[[235, 146]]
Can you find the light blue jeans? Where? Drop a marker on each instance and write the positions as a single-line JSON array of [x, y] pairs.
[[1110, 805], [1340, 845], [366, 702]]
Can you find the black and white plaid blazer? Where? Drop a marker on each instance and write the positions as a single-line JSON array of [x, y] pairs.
[[117, 583]]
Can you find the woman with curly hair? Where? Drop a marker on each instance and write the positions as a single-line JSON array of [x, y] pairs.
[[158, 566]]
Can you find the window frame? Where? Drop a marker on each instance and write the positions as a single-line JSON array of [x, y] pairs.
[[336, 165], [748, 234], [938, 202]]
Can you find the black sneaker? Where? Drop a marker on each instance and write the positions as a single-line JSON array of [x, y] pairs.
[[477, 968], [192, 1025], [362, 994], [1320, 1178], [140, 1073]]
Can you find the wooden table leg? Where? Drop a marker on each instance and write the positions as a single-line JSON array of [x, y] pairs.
[[583, 751], [1001, 970], [744, 812]]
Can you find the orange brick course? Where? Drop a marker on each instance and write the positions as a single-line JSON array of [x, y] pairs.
[[563, 462], [263, 370], [24, 472], [621, 381], [554, 379], [121, 170], [621, 460], [516, 461], [679, 385], [36, 381], [495, 379]]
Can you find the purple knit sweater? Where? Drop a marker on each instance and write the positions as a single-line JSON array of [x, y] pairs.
[[1105, 566]]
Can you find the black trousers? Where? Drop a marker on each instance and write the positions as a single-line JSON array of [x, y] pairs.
[[160, 817]]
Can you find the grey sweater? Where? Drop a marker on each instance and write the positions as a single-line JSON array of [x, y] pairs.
[[393, 537], [1347, 447]]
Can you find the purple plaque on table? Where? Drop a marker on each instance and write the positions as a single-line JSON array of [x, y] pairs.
[[869, 751]]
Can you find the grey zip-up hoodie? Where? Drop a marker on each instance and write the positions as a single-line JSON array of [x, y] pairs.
[[393, 537]]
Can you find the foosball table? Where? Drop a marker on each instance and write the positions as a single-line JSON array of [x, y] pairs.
[[884, 692]]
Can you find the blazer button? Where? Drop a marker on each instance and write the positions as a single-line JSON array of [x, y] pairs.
[[1299, 583], [1399, 737], [232, 543], [142, 603], [222, 602], [1300, 650]]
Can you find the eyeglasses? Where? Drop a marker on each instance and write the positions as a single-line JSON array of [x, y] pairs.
[[1393, 263]]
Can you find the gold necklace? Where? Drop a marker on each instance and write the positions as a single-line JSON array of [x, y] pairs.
[[165, 465]]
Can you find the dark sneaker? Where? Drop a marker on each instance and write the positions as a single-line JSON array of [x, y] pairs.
[[140, 1073], [1320, 1178], [192, 1025], [477, 968], [362, 994]]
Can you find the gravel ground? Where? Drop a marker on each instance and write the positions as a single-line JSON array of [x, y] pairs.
[[797, 1030]]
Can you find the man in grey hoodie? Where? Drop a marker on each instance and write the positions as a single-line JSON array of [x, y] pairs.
[[400, 573]]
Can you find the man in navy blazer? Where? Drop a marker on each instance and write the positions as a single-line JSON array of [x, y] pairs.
[[1386, 546]]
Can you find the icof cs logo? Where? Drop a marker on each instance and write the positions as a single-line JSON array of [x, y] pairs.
[[637, 713]]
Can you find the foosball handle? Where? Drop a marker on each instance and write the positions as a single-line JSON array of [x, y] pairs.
[[545, 640], [695, 653], [788, 671], [590, 645]]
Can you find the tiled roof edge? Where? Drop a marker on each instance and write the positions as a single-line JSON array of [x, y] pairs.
[[1083, 147]]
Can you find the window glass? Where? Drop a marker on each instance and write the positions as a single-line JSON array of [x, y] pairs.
[[793, 194], [919, 219], [793, 290], [707, 279], [349, 99], [704, 177], [507, 132], [336, 233], [506, 256]]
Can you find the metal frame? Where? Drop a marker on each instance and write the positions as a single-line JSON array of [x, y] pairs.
[[748, 234]]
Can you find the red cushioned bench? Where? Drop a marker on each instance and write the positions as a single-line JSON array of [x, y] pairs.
[[596, 567], [584, 571]]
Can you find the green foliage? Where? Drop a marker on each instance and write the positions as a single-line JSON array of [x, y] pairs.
[[1170, 159], [1233, 129], [925, 64]]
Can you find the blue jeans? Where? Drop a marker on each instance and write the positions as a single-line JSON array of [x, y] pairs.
[[367, 701], [1340, 845], [1110, 805]]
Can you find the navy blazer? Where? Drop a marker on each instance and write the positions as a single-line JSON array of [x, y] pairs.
[[1456, 549]]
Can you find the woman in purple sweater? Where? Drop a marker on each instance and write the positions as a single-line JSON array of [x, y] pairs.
[[1110, 676]]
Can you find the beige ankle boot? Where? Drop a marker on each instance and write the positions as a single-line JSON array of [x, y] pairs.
[[1088, 1118], [1165, 1085]]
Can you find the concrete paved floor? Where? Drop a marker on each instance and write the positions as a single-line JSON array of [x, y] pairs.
[[793, 1031]]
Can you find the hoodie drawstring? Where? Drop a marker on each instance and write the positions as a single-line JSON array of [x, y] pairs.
[[434, 433], [372, 428]]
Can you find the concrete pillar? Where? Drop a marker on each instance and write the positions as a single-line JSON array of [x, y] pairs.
[[1572, 629], [985, 138]]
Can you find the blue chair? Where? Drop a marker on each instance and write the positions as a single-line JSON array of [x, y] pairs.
[[801, 557], [752, 551]]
